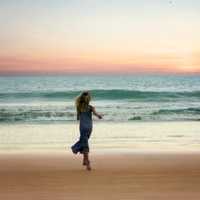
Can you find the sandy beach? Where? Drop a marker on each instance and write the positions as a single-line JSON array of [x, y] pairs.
[[135, 175], [133, 161]]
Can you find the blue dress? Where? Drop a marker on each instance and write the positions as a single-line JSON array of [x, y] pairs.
[[85, 128]]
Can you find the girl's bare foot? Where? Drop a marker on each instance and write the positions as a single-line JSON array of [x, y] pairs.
[[87, 164], [84, 162], [88, 167]]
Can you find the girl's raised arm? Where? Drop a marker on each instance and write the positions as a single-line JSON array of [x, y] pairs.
[[95, 113]]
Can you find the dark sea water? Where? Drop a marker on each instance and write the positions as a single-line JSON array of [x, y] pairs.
[[120, 98]]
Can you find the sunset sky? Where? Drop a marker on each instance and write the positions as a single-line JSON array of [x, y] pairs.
[[99, 36]]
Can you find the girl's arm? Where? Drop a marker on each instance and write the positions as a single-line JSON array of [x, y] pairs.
[[95, 113]]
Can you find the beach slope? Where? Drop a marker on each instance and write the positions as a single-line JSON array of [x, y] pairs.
[[137, 175]]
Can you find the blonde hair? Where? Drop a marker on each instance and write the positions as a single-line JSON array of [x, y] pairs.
[[82, 101]]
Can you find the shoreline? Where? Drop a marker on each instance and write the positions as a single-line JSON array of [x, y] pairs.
[[100, 151], [97, 121], [183, 136]]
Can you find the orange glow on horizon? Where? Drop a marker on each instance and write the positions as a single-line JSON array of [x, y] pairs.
[[136, 64]]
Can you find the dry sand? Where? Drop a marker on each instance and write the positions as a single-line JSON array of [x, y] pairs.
[[125, 175]]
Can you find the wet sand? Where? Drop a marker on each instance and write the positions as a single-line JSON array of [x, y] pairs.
[[137, 175]]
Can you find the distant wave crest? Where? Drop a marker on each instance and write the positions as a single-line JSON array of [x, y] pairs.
[[104, 95], [67, 114], [7, 115], [178, 111]]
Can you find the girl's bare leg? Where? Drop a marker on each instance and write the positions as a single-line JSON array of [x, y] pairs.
[[84, 159]]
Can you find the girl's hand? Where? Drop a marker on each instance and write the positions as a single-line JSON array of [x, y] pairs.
[[100, 116]]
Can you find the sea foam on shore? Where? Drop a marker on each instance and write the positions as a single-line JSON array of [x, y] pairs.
[[105, 135]]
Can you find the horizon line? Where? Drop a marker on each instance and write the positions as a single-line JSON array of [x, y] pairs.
[[99, 74]]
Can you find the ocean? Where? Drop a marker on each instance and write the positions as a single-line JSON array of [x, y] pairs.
[[121, 98]]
